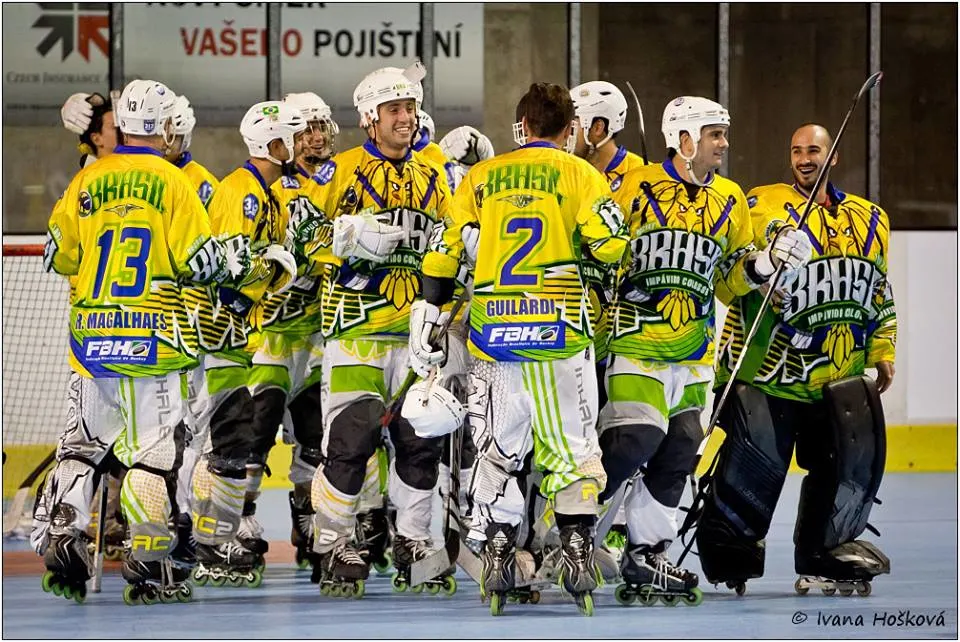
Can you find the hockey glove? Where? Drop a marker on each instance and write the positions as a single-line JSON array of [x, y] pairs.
[[791, 247], [470, 235], [364, 237], [284, 259], [424, 319], [466, 145], [77, 113]]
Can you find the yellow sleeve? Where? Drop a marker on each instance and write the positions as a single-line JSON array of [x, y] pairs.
[[233, 214], [61, 253], [601, 222], [194, 253], [312, 228], [881, 341], [446, 244], [731, 278]]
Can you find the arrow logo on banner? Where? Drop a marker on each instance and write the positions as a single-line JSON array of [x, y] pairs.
[[70, 22]]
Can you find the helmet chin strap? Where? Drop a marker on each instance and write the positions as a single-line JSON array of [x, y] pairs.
[[689, 164], [594, 148]]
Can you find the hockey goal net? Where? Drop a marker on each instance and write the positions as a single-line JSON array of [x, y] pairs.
[[35, 374]]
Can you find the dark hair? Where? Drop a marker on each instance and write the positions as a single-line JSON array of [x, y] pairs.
[[548, 109], [101, 106]]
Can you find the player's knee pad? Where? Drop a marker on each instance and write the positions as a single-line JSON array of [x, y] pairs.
[[624, 450], [354, 435], [417, 460], [579, 498], [145, 500], [837, 495], [667, 471], [232, 434], [268, 408], [217, 505], [306, 417], [742, 492]]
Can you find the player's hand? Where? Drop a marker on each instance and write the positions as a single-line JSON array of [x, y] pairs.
[[364, 237], [77, 113], [790, 247], [466, 145], [424, 319], [285, 260], [885, 372], [470, 235]]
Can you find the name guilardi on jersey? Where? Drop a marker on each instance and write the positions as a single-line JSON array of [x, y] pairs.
[[675, 259], [830, 290]]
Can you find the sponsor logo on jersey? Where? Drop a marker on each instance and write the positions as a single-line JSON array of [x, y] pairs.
[[251, 205], [676, 259], [520, 201], [86, 205], [123, 209], [831, 290], [519, 336], [120, 350], [325, 174], [290, 182]]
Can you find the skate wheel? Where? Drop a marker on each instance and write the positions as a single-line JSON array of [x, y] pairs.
[[46, 581], [359, 588], [585, 604], [534, 597], [57, 589], [130, 596], [624, 595], [433, 588], [303, 562], [449, 585], [418, 588], [335, 591], [646, 597], [257, 579], [346, 590], [236, 580], [68, 592], [864, 589], [694, 597], [740, 588], [218, 581], [185, 594], [846, 592], [799, 587], [829, 591], [149, 598], [670, 599], [399, 586], [496, 603], [324, 590], [80, 595], [382, 566], [167, 598], [199, 578]]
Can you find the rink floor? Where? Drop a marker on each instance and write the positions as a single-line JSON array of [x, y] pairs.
[[918, 522]]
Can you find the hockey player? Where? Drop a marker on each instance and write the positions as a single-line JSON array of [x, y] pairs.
[[287, 367], [244, 213], [130, 227], [383, 200], [802, 374], [184, 122], [523, 215], [423, 141], [691, 241], [91, 117]]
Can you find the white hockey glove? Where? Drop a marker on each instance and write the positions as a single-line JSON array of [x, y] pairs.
[[791, 246], [470, 235], [466, 145], [364, 237], [283, 258], [424, 319], [77, 113]]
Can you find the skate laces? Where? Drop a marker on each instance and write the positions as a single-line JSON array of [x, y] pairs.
[[663, 568], [232, 550], [348, 555]]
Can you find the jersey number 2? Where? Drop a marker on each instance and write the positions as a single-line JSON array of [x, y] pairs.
[[133, 249], [512, 273]]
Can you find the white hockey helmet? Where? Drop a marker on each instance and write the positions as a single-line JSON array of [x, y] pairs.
[[183, 121], [268, 121], [146, 106], [313, 108], [690, 114], [426, 122], [384, 85], [600, 99], [431, 409]]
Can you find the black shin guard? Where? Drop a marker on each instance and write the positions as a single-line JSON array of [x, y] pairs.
[[268, 407], [624, 449], [232, 435], [354, 436], [743, 490], [308, 423], [845, 457]]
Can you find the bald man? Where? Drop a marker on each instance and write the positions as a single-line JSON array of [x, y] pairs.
[[802, 383]]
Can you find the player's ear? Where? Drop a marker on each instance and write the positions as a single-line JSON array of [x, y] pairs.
[[836, 157]]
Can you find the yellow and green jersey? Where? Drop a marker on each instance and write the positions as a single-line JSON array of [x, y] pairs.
[[536, 207], [688, 244], [131, 229], [204, 182], [837, 314], [412, 194]]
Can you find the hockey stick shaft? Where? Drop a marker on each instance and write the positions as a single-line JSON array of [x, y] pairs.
[[643, 137], [101, 536]]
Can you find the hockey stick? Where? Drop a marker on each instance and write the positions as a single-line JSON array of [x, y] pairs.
[[870, 83], [15, 511], [643, 138], [396, 402], [101, 538]]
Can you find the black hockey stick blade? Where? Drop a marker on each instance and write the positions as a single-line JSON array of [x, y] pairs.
[[643, 135]]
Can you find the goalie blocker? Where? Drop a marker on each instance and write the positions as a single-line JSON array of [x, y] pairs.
[[841, 442]]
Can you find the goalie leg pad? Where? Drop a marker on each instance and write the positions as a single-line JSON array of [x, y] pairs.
[[745, 487], [845, 454]]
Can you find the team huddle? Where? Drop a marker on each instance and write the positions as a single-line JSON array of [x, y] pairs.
[[535, 328]]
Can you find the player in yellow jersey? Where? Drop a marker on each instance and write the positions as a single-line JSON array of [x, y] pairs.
[[286, 368], [691, 241], [803, 369], [184, 123], [245, 214], [529, 215], [132, 229], [424, 143], [91, 117], [383, 200]]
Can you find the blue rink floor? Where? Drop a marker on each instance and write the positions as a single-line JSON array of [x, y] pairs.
[[918, 522]]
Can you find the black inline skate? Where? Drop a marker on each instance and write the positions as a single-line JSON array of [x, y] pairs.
[[250, 534], [165, 581], [406, 551], [846, 569], [578, 573], [301, 529], [228, 564], [373, 539], [649, 574], [342, 572], [69, 566]]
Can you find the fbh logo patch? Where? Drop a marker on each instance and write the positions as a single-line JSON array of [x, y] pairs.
[[519, 336], [82, 23], [120, 350]]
